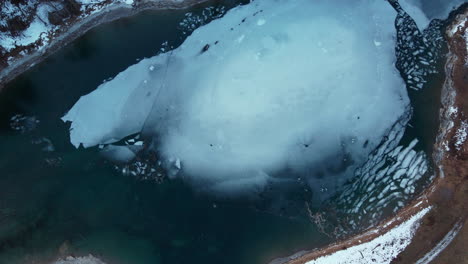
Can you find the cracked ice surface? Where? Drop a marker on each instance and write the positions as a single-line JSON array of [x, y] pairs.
[[268, 86], [386, 180]]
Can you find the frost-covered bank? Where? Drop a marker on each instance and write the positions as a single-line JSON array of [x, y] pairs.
[[32, 30], [382, 249], [442, 238]]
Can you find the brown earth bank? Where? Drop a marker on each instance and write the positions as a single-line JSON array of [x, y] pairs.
[[75, 27], [448, 194]]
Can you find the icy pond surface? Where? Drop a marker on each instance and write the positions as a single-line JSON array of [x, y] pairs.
[[274, 128], [236, 107]]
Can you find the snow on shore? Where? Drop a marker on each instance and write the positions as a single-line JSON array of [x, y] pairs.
[[40, 29], [93, 6], [381, 250]]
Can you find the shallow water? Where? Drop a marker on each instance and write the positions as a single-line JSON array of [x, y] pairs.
[[48, 198]]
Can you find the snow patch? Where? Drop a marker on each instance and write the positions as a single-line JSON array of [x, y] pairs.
[[452, 111], [458, 27], [38, 29], [461, 135], [381, 250]]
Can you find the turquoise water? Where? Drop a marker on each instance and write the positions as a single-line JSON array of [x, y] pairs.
[[49, 199]]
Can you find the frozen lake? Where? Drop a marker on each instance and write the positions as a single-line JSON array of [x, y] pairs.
[[52, 194]]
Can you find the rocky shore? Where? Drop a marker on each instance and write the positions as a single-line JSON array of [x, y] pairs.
[[449, 193]]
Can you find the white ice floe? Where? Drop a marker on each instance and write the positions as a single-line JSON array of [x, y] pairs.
[[268, 86], [121, 154], [139, 143], [414, 11], [423, 11], [381, 250]]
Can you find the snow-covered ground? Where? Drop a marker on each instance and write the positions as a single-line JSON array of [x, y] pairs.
[[461, 135], [462, 23], [40, 29], [93, 6], [381, 250]]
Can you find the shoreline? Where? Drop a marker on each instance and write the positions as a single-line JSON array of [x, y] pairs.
[[448, 193], [79, 26]]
